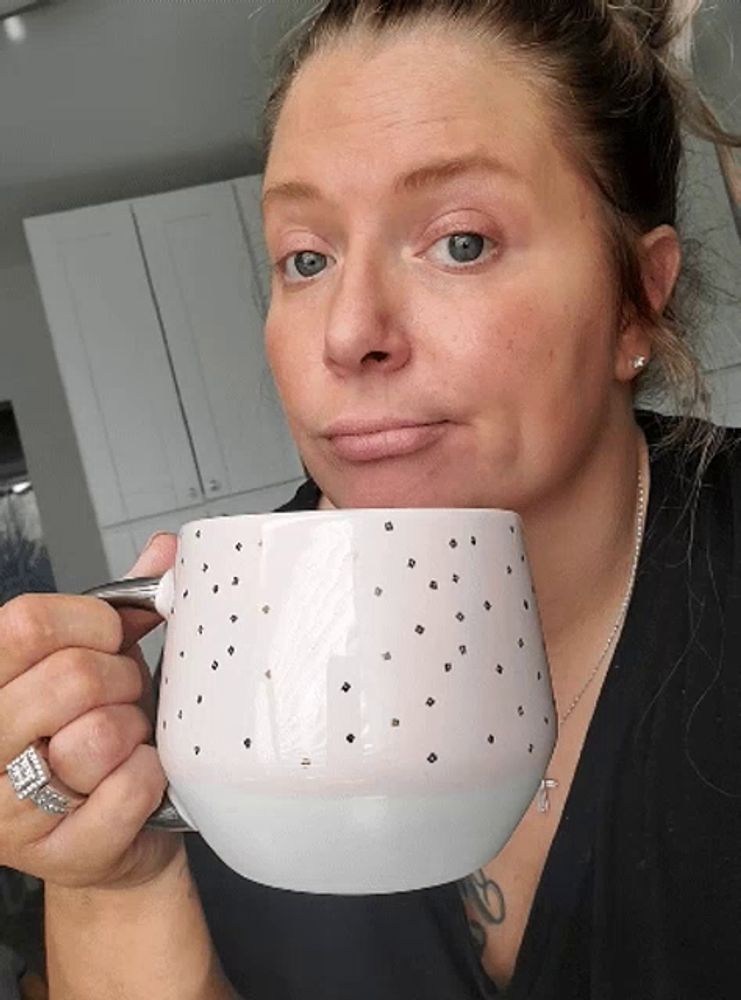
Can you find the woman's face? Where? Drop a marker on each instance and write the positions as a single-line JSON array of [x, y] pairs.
[[438, 263]]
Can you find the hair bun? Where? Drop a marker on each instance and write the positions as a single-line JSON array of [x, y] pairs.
[[666, 26]]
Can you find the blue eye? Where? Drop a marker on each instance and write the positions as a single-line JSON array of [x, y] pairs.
[[462, 248], [465, 247], [307, 264]]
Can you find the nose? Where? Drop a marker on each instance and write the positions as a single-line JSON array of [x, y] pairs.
[[364, 330]]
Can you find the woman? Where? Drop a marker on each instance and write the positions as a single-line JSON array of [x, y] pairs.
[[471, 211]]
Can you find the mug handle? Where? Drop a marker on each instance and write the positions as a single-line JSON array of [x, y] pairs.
[[151, 593]]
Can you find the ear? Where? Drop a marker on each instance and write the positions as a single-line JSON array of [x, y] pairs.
[[661, 261]]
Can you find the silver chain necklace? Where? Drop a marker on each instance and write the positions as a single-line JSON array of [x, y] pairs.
[[549, 783]]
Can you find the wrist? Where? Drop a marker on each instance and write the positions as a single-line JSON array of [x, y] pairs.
[[137, 941]]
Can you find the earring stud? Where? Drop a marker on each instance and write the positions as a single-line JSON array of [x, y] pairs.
[[639, 362]]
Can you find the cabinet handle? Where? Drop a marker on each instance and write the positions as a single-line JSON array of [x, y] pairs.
[[193, 493], [214, 485]]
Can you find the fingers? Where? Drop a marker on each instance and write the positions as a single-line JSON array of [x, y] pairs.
[[92, 845], [60, 689], [86, 751], [33, 626], [102, 841]]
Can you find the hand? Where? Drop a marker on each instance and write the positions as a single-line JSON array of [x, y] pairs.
[[70, 671]]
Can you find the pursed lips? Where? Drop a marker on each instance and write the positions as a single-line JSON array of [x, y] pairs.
[[368, 441]]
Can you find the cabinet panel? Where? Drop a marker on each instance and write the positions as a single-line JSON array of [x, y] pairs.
[[248, 191], [257, 501], [202, 274], [113, 362], [120, 549]]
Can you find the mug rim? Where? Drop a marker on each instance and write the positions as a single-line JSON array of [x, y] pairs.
[[354, 514]]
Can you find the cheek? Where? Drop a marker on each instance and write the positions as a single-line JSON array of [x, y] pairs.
[[496, 339]]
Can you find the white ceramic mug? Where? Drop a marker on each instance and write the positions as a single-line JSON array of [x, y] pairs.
[[352, 701]]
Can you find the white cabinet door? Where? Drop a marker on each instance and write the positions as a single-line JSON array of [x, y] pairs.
[[249, 194], [203, 279], [113, 362]]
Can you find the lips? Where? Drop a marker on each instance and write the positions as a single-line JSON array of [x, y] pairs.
[[369, 441]]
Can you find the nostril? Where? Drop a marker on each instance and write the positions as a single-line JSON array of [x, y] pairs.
[[376, 356]]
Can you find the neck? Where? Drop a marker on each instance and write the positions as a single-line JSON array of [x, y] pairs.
[[581, 546]]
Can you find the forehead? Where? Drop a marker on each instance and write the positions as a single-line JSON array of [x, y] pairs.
[[364, 109]]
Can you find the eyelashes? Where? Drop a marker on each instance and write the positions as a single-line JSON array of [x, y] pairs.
[[464, 250]]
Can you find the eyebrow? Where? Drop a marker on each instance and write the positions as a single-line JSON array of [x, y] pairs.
[[419, 179]]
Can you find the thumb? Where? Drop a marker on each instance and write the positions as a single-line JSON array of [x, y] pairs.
[[157, 556]]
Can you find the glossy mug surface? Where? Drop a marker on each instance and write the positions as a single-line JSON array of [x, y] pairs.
[[354, 701]]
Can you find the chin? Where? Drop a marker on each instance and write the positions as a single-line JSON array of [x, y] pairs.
[[386, 489], [449, 474]]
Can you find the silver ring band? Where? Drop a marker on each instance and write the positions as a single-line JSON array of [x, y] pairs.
[[31, 779]]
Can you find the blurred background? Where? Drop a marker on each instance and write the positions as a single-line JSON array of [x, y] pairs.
[[134, 394]]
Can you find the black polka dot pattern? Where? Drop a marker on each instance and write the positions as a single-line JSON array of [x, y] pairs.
[[454, 567]]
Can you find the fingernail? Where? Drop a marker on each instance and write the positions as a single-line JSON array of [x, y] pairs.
[[134, 571], [157, 534]]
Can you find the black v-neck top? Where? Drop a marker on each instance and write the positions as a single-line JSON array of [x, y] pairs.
[[640, 896]]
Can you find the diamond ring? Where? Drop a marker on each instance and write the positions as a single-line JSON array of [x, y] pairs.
[[31, 779]]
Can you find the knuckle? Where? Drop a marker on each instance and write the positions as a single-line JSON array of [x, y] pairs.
[[27, 622], [79, 677], [105, 740]]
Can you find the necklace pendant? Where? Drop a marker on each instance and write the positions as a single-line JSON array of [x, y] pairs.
[[544, 802]]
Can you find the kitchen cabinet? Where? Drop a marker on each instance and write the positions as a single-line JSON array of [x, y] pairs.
[[212, 316], [156, 309], [114, 364]]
